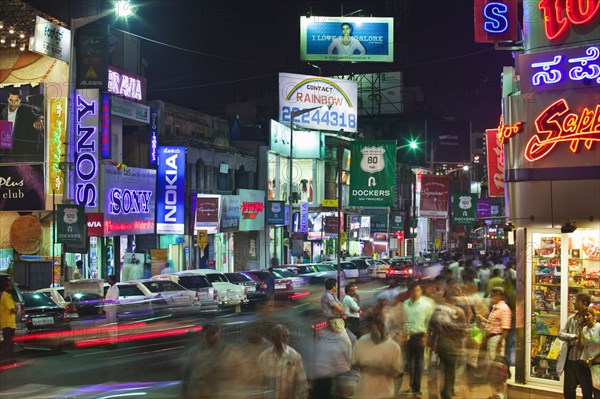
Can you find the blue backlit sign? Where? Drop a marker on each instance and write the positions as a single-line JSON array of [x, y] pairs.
[[153, 136], [170, 193], [495, 17], [105, 126], [86, 148]]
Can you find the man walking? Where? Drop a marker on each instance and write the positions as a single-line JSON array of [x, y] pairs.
[[111, 301], [8, 322], [417, 312], [576, 372]]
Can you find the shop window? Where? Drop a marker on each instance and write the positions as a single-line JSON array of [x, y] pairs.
[[200, 175], [241, 178], [223, 183], [177, 130]]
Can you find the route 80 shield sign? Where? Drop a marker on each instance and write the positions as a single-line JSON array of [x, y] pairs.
[[373, 173]]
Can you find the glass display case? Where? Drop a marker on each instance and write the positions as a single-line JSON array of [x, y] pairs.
[[560, 267]]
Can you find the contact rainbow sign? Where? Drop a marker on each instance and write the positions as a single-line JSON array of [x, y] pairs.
[[298, 92]]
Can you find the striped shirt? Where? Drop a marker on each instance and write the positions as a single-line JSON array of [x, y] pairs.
[[570, 334], [499, 318], [283, 375]]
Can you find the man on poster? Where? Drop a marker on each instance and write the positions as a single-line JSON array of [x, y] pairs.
[[28, 126]]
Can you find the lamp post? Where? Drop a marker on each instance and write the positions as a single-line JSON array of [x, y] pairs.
[[293, 115]]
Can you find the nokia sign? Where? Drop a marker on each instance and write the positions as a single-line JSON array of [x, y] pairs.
[[170, 196]]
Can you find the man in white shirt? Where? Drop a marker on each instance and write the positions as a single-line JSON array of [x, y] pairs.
[[352, 309], [111, 301]]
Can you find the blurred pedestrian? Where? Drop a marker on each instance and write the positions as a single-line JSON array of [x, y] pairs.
[[576, 372], [484, 274], [447, 330], [270, 287], [378, 359], [495, 281], [417, 312], [351, 304], [497, 326], [332, 359], [588, 342], [111, 301], [243, 358], [8, 322], [332, 307], [205, 371], [77, 271], [280, 368]]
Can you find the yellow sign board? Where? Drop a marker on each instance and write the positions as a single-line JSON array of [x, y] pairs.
[[202, 238], [329, 203], [343, 237], [438, 243]]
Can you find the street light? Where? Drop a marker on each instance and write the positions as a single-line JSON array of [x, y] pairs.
[[293, 115]]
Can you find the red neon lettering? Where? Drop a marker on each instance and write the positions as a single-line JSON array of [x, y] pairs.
[[507, 131], [251, 209], [578, 12], [561, 126]]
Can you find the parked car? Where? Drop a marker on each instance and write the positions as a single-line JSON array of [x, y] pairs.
[[228, 294], [284, 288], [380, 268], [206, 294], [40, 314], [78, 304], [403, 270], [364, 270], [349, 269], [252, 287], [168, 294], [283, 273], [133, 302]]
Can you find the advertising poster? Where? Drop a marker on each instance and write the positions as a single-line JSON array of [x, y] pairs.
[[87, 149], [484, 208], [22, 187], [95, 224], [91, 43], [495, 163], [464, 209], [28, 130], [353, 39], [129, 200], [307, 144], [450, 140], [170, 190], [57, 136], [373, 172], [301, 92], [6, 135], [133, 266], [207, 213], [276, 213], [396, 221], [434, 196], [51, 40], [252, 216], [71, 224], [230, 213]]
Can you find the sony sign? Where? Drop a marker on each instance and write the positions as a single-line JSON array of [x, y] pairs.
[[86, 146], [170, 196], [126, 84]]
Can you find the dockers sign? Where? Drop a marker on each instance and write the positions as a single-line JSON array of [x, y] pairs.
[[170, 192], [373, 171]]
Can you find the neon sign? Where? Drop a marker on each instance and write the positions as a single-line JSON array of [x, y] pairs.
[[564, 69], [495, 17], [126, 84], [507, 131], [560, 126], [251, 209], [153, 136], [170, 194], [105, 130], [559, 14], [58, 123], [129, 201], [86, 164]]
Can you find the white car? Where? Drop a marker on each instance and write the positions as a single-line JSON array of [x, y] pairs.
[[133, 302], [206, 294], [228, 294], [168, 294]]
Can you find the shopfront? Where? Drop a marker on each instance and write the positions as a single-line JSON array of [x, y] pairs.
[[550, 134]]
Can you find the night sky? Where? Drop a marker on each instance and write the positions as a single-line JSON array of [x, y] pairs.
[[237, 48]]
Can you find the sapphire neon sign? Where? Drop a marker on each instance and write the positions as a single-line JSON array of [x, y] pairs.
[[577, 67], [496, 21], [86, 163], [495, 16]]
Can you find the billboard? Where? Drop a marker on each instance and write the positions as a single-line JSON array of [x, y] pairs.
[[495, 163], [51, 40], [301, 92], [22, 187], [71, 226], [170, 190], [276, 213], [373, 173], [28, 127], [451, 140], [207, 212], [252, 216], [464, 209], [434, 196], [353, 39], [91, 43], [57, 137], [307, 144], [230, 213], [129, 200]]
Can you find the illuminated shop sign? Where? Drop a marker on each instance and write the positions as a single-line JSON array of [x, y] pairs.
[[507, 131], [153, 136], [58, 133], [86, 146], [105, 126], [558, 123], [129, 200], [303, 217], [170, 201], [571, 68], [560, 14], [252, 210], [126, 84], [496, 21]]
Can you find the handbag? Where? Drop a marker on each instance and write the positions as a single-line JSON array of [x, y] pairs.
[[562, 358]]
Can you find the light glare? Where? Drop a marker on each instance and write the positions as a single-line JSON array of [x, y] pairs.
[[123, 8]]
